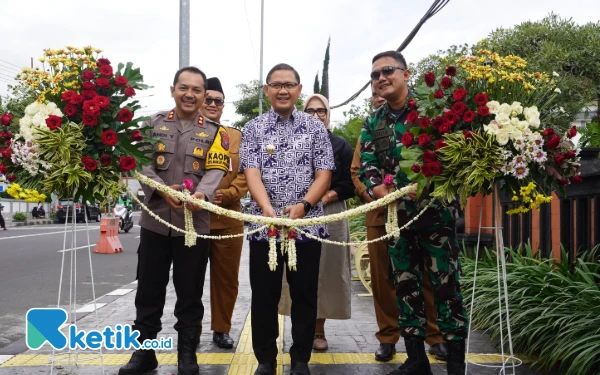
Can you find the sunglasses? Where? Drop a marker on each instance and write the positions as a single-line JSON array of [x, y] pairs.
[[386, 71], [319, 111], [218, 102]]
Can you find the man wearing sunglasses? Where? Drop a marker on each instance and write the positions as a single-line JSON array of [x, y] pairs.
[[430, 240], [224, 254]]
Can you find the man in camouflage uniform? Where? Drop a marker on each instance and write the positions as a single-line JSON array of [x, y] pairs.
[[430, 240]]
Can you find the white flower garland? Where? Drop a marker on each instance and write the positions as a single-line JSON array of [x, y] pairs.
[[190, 233]]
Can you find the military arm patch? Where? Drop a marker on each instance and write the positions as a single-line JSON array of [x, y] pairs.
[[218, 153]]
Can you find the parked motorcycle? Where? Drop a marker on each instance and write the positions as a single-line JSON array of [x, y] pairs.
[[126, 217]]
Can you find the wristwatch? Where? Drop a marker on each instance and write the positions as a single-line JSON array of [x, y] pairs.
[[307, 206], [370, 192]]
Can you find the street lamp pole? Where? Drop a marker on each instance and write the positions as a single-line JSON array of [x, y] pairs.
[[184, 33], [262, 27]]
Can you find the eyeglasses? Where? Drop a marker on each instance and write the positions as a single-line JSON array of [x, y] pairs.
[[286, 85], [386, 71], [318, 111], [218, 102]]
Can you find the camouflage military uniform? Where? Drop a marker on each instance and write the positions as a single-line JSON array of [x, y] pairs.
[[431, 239]]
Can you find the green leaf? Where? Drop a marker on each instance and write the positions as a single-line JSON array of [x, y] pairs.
[[415, 130], [405, 166], [411, 153]]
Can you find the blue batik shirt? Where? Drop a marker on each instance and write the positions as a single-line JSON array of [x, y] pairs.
[[302, 147]]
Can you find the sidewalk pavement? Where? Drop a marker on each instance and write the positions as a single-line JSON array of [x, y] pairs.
[[351, 342]]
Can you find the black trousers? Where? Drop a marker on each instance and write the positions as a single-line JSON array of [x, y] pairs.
[[156, 252], [266, 291], [2, 224]]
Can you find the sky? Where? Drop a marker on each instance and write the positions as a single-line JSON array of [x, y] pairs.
[[225, 36]]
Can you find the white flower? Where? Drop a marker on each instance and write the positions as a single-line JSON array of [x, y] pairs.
[[492, 128], [516, 135], [506, 154], [522, 125], [516, 108], [520, 171], [534, 122], [562, 110], [502, 137], [494, 106], [502, 119], [504, 109], [507, 169], [540, 156], [555, 74], [530, 112], [557, 90]]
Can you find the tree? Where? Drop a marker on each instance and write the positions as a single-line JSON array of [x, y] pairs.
[[325, 80], [436, 63], [17, 99], [247, 106], [316, 84], [350, 130]]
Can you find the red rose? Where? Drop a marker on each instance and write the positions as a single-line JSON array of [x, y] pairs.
[[8, 143], [3, 169], [125, 115], [446, 82], [425, 122], [53, 122], [430, 79], [103, 82], [469, 116], [70, 110], [90, 107], [121, 81], [103, 61], [102, 101], [450, 71], [88, 75], [129, 91], [438, 94], [127, 163], [407, 139], [425, 170], [429, 156], [468, 134], [559, 158], [2, 134], [570, 154], [106, 70], [68, 95], [6, 152], [548, 132], [105, 160], [435, 168], [88, 94], [8, 135], [483, 111], [6, 118], [576, 179], [459, 94], [563, 182], [416, 168], [553, 142], [424, 140], [439, 144], [412, 117], [459, 108], [412, 104], [572, 132], [76, 99], [445, 128], [11, 177], [481, 99], [89, 163], [136, 136], [109, 137], [89, 119], [451, 118], [88, 86], [437, 122]]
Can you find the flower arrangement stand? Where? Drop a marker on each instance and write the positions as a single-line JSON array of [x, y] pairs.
[[508, 358], [69, 356]]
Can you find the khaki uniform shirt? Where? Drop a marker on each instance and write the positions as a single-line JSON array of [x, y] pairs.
[[233, 186], [198, 152], [375, 217]]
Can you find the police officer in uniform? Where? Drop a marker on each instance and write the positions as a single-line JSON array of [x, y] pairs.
[[189, 147]]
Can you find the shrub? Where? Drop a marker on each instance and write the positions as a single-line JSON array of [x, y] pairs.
[[19, 216]]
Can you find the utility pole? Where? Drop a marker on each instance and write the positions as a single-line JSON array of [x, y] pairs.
[[262, 27], [184, 33]]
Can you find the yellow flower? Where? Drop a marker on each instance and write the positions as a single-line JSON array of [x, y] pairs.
[[515, 198]]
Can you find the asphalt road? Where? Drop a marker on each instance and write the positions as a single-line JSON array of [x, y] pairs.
[[30, 266]]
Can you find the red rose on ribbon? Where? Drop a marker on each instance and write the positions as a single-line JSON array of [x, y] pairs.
[[459, 108], [70, 110], [572, 132], [559, 158], [129, 91], [125, 115], [90, 107], [429, 156], [76, 99], [407, 139], [53, 122], [105, 160], [106, 70], [446, 82], [429, 79], [136, 136], [103, 61], [548, 132], [416, 168], [89, 119], [481, 99], [469, 116], [425, 170], [439, 144], [102, 101], [437, 122], [435, 168], [6, 118], [67, 96], [553, 142], [88, 75], [103, 82], [425, 122], [88, 86], [121, 81], [109, 137], [438, 94], [412, 104], [450, 71], [11, 177], [459, 94], [89, 163], [6, 152], [424, 140], [483, 111], [412, 117], [127, 163], [88, 94], [273, 232], [577, 179], [570, 154], [3, 169], [451, 118]]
